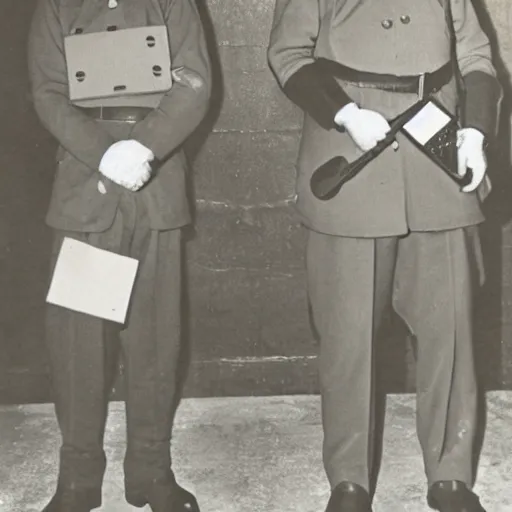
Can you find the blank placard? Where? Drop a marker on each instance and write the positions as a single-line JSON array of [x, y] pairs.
[[117, 62], [426, 123], [92, 281]]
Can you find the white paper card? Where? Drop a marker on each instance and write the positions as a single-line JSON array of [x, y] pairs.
[[92, 281], [426, 123]]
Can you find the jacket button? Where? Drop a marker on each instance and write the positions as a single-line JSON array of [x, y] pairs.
[[387, 24], [101, 187], [405, 19]]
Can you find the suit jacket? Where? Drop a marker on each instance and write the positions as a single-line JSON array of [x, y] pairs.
[[398, 191], [77, 202]]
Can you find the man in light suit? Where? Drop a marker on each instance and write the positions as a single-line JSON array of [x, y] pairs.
[[400, 231], [120, 186]]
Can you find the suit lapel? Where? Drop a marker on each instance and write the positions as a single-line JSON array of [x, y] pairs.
[[143, 12], [79, 14], [135, 12], [82, 13]]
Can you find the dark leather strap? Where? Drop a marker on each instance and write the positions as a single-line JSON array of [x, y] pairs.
[[121, 114], [422, 85]]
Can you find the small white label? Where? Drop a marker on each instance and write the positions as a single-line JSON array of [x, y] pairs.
[[101, 187], [426, 123]]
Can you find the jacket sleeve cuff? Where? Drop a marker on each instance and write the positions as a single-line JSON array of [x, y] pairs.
[[317, 93], [481, 103]]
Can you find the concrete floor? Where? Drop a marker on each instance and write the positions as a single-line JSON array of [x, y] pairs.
[[249, 455]]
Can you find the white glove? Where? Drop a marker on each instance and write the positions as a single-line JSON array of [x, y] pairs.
[[366, 127], [471, 155], [127, 163]]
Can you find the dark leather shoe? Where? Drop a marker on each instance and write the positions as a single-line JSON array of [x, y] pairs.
[[453, 496], [164, 497], [74, 500], [349, 497]]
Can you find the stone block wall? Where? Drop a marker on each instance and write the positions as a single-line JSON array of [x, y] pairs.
[[248, 319]]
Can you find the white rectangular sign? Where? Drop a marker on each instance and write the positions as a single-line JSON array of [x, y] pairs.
[[92, 281]]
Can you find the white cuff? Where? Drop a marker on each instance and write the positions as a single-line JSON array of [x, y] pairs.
[[344, 113]]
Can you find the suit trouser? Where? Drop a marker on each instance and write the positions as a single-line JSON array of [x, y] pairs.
[[428, 277], [82, 353]]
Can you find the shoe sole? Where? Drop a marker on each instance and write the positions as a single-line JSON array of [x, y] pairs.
[[432, 503], [136, 501]]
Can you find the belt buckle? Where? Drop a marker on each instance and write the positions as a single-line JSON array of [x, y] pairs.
[[421, 86]]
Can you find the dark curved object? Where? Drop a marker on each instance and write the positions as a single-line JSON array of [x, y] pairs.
[[328, 179]]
